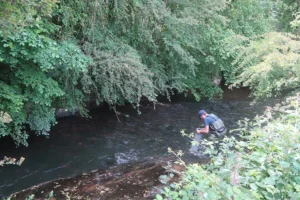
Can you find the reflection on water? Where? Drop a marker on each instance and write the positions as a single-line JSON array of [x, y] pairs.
[[79, 145]]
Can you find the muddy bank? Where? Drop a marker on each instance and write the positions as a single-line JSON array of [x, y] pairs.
[[128, 181]]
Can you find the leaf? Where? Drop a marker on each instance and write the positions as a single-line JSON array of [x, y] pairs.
[[269, 181], [253, 186], [229, 191], [268, 195], [182, 193], [284, 164], [211, 194], [297, 179], [159, 197], [185, 198], [296, 165], [271, 172], [167, 190]]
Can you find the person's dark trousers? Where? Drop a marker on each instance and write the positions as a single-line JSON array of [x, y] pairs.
[[199, 137]]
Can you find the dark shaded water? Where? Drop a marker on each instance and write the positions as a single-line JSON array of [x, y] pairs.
[[79, 145]]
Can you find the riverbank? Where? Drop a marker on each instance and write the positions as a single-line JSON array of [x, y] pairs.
[[128, 181]]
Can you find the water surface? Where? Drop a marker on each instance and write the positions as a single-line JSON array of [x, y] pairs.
[[77, 145]]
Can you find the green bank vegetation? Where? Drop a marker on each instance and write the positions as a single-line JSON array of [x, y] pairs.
[[262, 164], [68, 53]]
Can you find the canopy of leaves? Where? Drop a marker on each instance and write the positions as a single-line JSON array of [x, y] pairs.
[[17, 14], [64, 54], [170, 39]]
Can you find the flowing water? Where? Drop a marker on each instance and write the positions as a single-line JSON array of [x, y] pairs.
[[78, 145]]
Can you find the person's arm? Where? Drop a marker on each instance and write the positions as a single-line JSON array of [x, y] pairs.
[[203, 130]]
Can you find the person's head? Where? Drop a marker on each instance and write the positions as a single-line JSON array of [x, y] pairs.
[[202, 114]]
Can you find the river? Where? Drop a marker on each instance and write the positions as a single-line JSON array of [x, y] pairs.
[[77, 145]]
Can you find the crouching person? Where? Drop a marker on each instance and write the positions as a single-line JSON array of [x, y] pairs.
[[212, 124]]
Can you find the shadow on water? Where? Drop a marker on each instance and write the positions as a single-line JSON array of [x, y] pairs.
[[78, 145]]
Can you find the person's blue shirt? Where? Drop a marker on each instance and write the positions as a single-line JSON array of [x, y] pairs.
[[209, 120]]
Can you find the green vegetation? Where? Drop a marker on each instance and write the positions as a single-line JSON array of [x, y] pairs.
[[262, 164], [68, 53], [270, 65]]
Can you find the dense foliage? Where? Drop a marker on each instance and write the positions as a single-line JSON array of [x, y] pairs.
[[262, 164], [270, 65], [38, 73], [69, 53]]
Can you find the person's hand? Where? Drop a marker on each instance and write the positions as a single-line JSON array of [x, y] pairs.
[[198, 130]]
